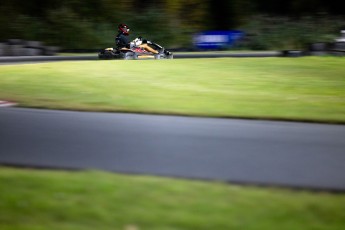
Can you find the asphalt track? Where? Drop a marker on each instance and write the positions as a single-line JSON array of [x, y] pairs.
[[298, 155], [30, 59]]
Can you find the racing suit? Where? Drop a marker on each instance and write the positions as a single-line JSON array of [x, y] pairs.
[[122, 41]]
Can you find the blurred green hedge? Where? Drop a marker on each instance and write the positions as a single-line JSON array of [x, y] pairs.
[[91, 24], [284, 33]]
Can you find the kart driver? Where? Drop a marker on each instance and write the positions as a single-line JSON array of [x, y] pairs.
[[122, 40]]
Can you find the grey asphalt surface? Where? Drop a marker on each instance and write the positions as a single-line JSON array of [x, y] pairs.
[[35, 59], [299, 155]]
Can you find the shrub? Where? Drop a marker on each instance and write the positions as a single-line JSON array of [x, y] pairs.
[[279, 33]]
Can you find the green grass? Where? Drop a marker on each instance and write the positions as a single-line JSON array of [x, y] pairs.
[[42, 199], [309, 88], [188, 52]]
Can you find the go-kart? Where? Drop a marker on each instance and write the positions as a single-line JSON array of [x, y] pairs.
[[135, 52]]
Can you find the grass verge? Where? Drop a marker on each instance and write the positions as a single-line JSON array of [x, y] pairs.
[[43, 199], [308, 88]]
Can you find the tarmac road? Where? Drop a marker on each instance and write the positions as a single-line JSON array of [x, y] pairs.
[[300, 155], [36, 59]]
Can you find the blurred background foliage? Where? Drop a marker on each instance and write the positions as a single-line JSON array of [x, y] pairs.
[[92, 24]]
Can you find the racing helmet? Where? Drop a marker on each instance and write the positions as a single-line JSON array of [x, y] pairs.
[[124, 29]]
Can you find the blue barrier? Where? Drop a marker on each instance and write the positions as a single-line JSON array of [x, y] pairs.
[[217, 39]]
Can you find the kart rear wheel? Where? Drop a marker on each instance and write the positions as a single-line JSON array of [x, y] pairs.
[[106, 55]]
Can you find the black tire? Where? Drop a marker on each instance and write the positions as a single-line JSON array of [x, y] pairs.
[[129, 56], [135, 56], [339, 46], [319, 46], [107, 55]]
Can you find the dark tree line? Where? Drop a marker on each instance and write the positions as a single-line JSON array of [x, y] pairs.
[[220, 11], [230, 13], [92, 23]]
